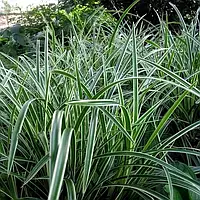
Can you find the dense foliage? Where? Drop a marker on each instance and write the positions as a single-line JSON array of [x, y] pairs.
[[113, 113], [150, 7], [21, 38]]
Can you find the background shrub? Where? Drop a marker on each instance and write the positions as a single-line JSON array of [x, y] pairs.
[[162, 7]]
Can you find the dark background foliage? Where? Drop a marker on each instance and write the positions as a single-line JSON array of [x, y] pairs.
[[144, 7], [32, 23], [148, 8]]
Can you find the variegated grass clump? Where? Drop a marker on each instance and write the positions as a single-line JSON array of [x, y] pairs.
[[104, 118]]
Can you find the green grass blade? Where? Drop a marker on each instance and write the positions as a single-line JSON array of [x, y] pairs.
[[46, 56], [164, 120], [176, 136], [79, 83], [97, 102], [58, 71], [188, 41], [36, 168], [121, 128], [71, 192], [60, 165], [120, 21], [90, 148], [171, 191], [135, 81], [173, 170], [10, 96], [73, 154], [55, 137], [151, 193], [14, 137], [38, 60], [127, 119]]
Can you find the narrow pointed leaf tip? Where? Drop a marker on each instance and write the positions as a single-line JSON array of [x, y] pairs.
[[17, 129]]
